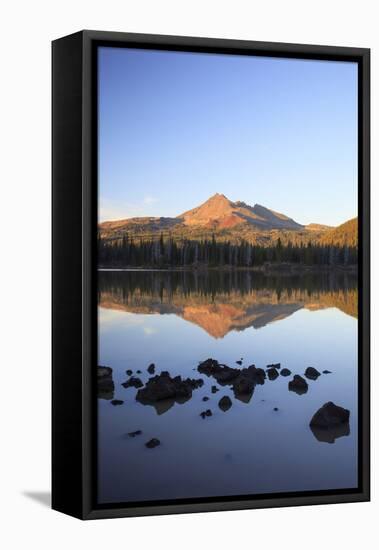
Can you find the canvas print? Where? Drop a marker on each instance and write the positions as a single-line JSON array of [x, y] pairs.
[[227, 276]]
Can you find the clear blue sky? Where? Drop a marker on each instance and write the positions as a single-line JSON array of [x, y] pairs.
[[175, 128]]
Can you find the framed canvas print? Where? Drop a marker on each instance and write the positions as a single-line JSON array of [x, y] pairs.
[[210, 274]]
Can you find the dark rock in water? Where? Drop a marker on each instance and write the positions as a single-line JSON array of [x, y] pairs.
[[152, 443], [272, 373], [205, 398], [164, 387], [138, 372], [239, 362], [222, 373], [273, 366], [330, 422], [285, 372], [214, 389], [129, 372], [105, 384], [151, 368], [225, 403], [331, 434], [275, 409], [243, 386], [330, 415], [326, 372], [208, 412], [134, 434], [311, 373], [298, 385], [133, 382], [117, 402]]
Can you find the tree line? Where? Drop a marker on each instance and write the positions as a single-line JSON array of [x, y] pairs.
[[166, 252]]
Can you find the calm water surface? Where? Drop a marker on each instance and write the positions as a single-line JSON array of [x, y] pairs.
[[176, 320]]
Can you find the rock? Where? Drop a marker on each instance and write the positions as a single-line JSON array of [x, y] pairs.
[[105, 384], [285, 372], [208, 412], [331, 434], [243, 385], [239, 362], [151, 368], [133, 382], [311, 373], [330, 422], [272, 373], [138, 372], [214, 389], [329, 415], [117, 402], [225, 403], [163, 386], [154, 442], [205, 398], [129, 372], [134, 434], [298, 385], [326, 372], [275, 409], [273, 366], [222, 373]]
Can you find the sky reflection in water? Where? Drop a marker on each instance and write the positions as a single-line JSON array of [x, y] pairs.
[[176, 320]]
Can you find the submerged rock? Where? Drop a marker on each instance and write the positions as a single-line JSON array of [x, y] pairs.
[[272, 373], [105, 384], [117, 402], [275, 409], [214, 389], [239, 362], [298, 385], [163, 386], [133, 382], [134, 434], [311, 373], [225, 403], [129, 372], [151, 368], [154, 442], [285, 372], [326, 372], [206, 413], [205, 398], [273, 366]]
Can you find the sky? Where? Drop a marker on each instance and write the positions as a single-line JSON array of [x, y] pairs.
[[177, 127]]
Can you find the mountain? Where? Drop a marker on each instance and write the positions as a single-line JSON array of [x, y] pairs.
[[230, 221], [218, 212]]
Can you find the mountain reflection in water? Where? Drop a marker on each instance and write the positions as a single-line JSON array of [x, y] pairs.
[[223, 301]]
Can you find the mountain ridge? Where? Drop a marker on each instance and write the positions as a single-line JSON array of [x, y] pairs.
[[235, 221]]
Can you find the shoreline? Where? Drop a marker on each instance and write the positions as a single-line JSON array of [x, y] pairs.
[[281, 269]]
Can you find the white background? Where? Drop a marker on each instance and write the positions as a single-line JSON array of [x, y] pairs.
[[26, 31]]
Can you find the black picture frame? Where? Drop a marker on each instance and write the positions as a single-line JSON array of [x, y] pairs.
[[74, 295]]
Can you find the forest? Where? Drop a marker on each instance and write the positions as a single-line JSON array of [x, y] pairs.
[[166, 252]]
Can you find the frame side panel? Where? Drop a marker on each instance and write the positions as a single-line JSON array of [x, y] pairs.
[[67, 275]]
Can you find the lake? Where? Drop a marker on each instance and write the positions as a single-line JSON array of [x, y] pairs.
[[177, 319]]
